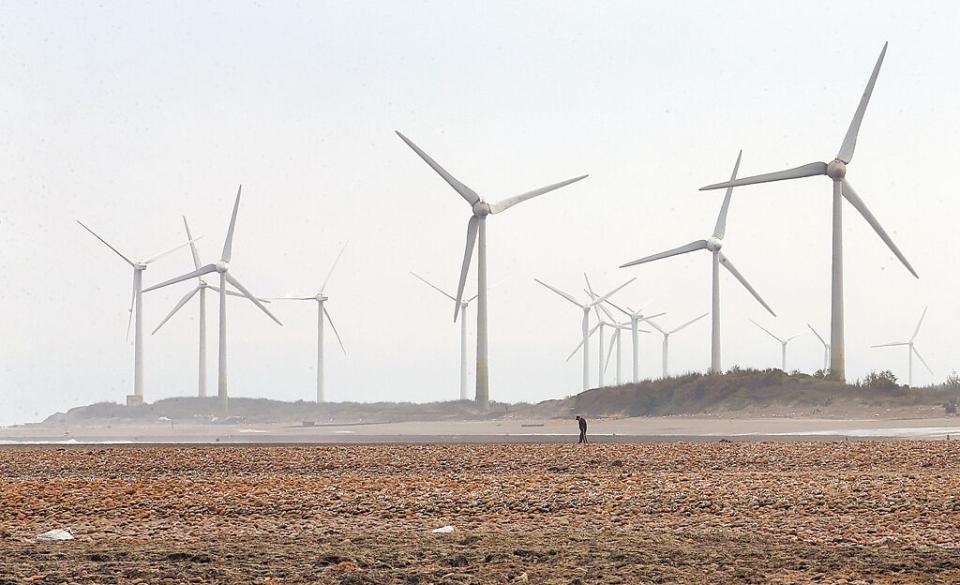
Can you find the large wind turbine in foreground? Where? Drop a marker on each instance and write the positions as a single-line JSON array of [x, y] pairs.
[[137, 318], [463, 331], [713, 245], [585, 324], [320, 298], [826, 350], [911, 350], [783, 345], [666, 339], [477, 228], [836, 170], [202, 286], [223, 269]]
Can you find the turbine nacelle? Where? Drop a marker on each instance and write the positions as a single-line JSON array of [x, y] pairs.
[[714, 244], [837, 169], [481, 209], [321, 298], [222, 266]]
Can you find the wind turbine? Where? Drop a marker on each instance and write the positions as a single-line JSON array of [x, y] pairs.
[[320, 298], [585, 324], [635, 318], [836, 170], [783, 345], [713, 245], [615, 338], [666, 340], [136, 302], [911, 350], [826, 349], [463, 331], [202, 286], [222, 267], [477, 228]]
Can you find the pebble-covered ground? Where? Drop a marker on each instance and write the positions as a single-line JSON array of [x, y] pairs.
[[847, 512]]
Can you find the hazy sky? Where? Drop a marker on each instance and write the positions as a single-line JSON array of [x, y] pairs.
[[127, 115]]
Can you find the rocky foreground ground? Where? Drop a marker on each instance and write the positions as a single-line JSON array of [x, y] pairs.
[[871, 512]]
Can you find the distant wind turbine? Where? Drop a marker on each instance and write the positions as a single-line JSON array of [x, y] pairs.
[[911, 349], [463, 331], [666, 339], [585, 323], [713, 245], [826, 350], [136, 303], [836, 170], [477, 228], [614, 340], [635, 318], [223, 269], [320, 298], [202, 286], [783, 344]]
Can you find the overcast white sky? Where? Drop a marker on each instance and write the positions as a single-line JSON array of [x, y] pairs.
[[127, 115]]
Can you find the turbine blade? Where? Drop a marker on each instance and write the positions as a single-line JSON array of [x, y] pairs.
[[511, 201], [329, 274], [168, 252], [193, 246], [687, 324], [472, 227], [825, 344], [647, 319], [471, 299], [613, 338], [850, 140], [228, 243], [199, 272], [657, 327], [464, 191], [725, 262], [897, 344], [919, 323], [617, 307], [133, 299], [925, 364], [766, 330], [250, 295], [809, 170], [434, 287], [335, 332], [692, 246], [128, 261], [579, 345], [186, 298], [236, 294], [721, 228], [561, 293], [857, 202], [609, 294]]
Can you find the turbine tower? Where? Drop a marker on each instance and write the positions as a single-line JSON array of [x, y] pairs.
[[836, 170], [202, 286], [635, 318], [136, 303], [585, 324], [223, 269], [666, 340], [713, 245], [826, 350], [477, 229], [463, 331], [911, 350], [783, 345], [320, 298]]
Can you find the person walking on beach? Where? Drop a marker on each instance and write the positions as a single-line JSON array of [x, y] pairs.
[[583, 429]]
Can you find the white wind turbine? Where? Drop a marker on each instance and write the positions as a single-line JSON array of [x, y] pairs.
[[826, 350], [614, 340], [666, 340], [463, 331], [911, 350], [713, 245], [836, 170], [136, 303], [783, 345], [222, 267], [202, 286], [477, 229], [635, 318], [320, 298], [585, 324]]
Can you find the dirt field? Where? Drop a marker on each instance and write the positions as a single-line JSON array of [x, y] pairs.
[[872, 512]]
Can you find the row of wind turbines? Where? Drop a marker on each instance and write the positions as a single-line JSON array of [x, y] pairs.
[[600, 305]]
